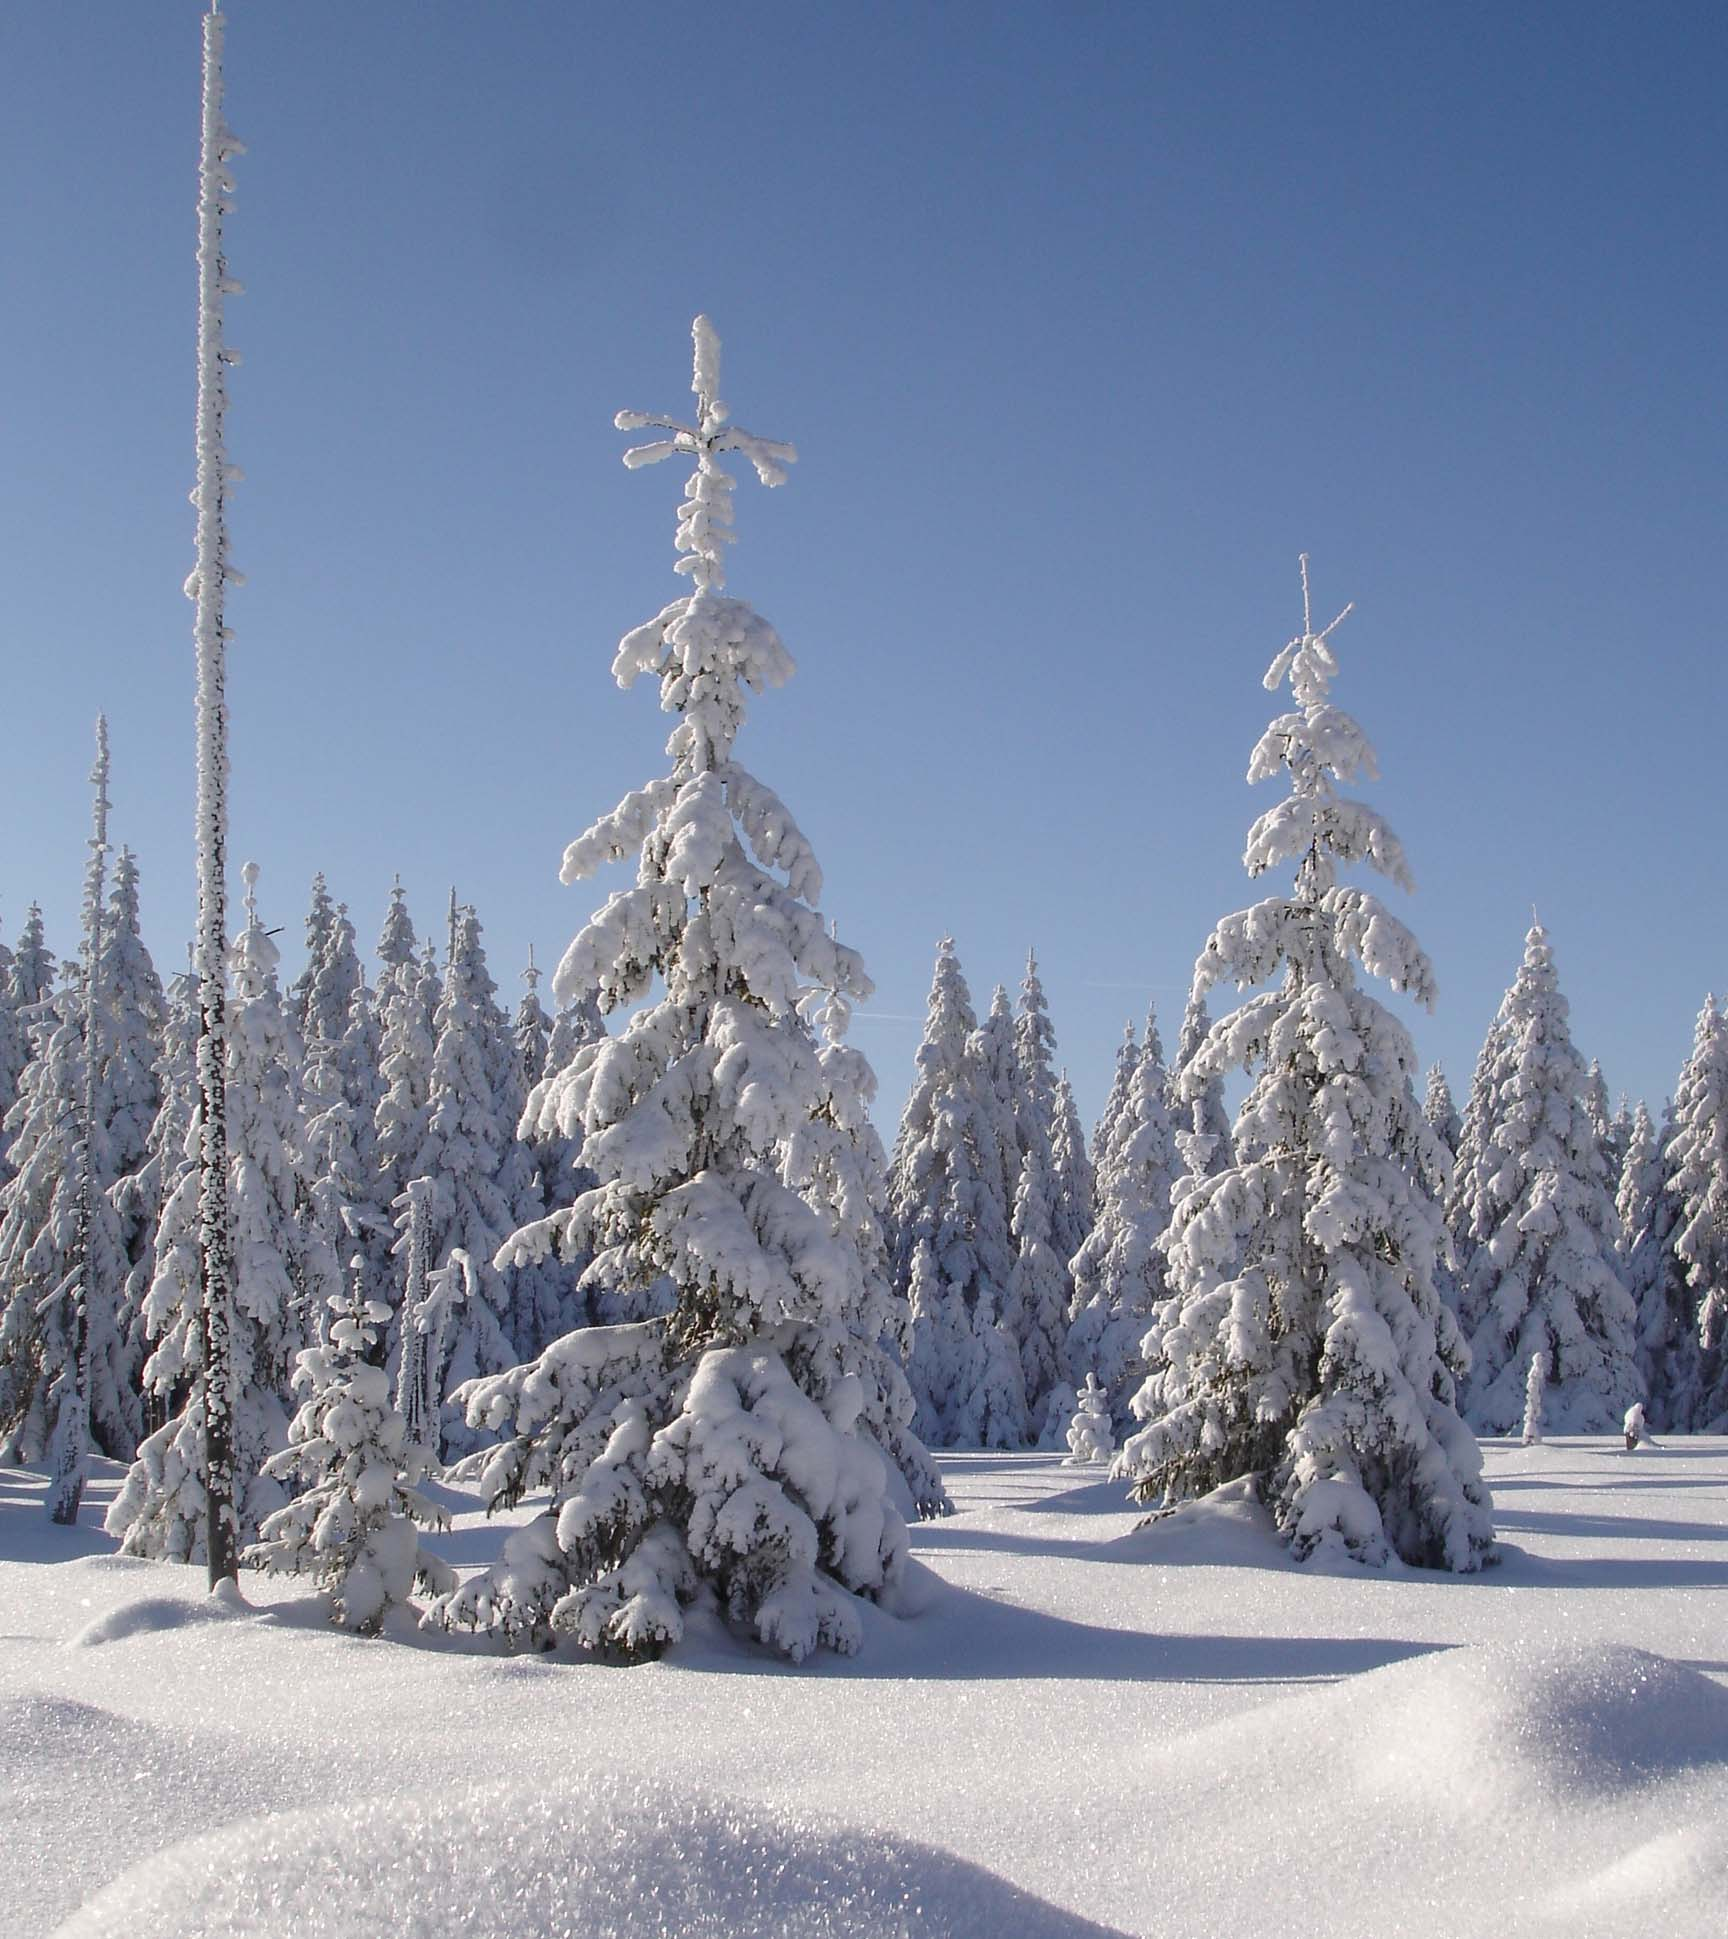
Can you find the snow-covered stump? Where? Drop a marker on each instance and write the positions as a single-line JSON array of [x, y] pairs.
[[711, 1450], [1304, 1339], [1090, 1439], [354, 1527], [1633, 1427], [1535, 1387]]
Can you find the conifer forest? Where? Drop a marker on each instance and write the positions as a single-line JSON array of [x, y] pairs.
[[598, 1462]]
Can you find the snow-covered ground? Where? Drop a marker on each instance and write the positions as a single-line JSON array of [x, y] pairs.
[[1082, 1728]]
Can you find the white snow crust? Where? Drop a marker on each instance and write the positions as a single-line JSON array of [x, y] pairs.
[[1164, 1728]]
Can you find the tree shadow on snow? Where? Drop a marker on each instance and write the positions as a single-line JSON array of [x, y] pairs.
[[1520, 1569], [1613, 1528], [968, 1637]]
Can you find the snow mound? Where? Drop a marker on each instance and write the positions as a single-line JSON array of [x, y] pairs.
[[150, 1615], [1576, 1723], [614, 1858], [1229, 1528]]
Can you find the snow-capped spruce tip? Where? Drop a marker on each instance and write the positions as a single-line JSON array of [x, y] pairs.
[[704, 1449], [1304, 1340]]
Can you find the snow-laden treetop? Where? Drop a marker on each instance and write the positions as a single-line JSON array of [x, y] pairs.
[[1317, 746], [705, 517]]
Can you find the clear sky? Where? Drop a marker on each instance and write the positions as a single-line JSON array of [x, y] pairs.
[[1086, 319]]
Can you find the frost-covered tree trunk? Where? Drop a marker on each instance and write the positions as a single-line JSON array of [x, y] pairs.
[[951, 1228], [354, 1527], [1305, 1340], [1535, 1388], [1119, 1280], [93, 1303], [1697, 1183], [208, 587], [709, 1450], [1546, 1277]]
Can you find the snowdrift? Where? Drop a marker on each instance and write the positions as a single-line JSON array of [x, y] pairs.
[[618, 1859]]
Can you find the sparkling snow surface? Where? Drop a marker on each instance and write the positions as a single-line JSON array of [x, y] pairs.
[[1083, 1728]]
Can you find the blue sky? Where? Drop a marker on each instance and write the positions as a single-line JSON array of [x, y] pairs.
[[1085, 319]]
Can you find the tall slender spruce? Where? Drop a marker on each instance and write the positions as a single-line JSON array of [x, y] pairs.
[[208, 588]]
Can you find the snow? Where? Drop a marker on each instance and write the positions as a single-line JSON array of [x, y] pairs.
[[1538, 1750]]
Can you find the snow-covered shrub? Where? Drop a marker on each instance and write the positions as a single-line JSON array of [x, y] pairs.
[[1089, 1437], [354, 1526]]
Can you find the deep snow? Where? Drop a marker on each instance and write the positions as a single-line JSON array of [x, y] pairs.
[[1163, 1730]]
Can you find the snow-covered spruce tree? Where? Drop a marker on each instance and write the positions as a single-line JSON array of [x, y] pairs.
[[995, 1052], [161, 1509], [1440, 1111], [32, 964], [709, 1448], [1697, 1183], [1603, 1121], [1076, 1183], [341, 1088], [951, 1230], [1446, 1124], [63, 1360], [1535, 1390], [1090, 1438], [1119, 1279], [836, 1164], [354, 1527], [406, 1005], [1105, 1131], [313, 1018], [1305, 1341], [14, 1050], [1669, 1351], [1546, 1278], [1040, 1290], [44, 1238], [1201, 1123], [532, 1029], [1476, 1160], [140, 1196], [86, 1304], [470, 1132]]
